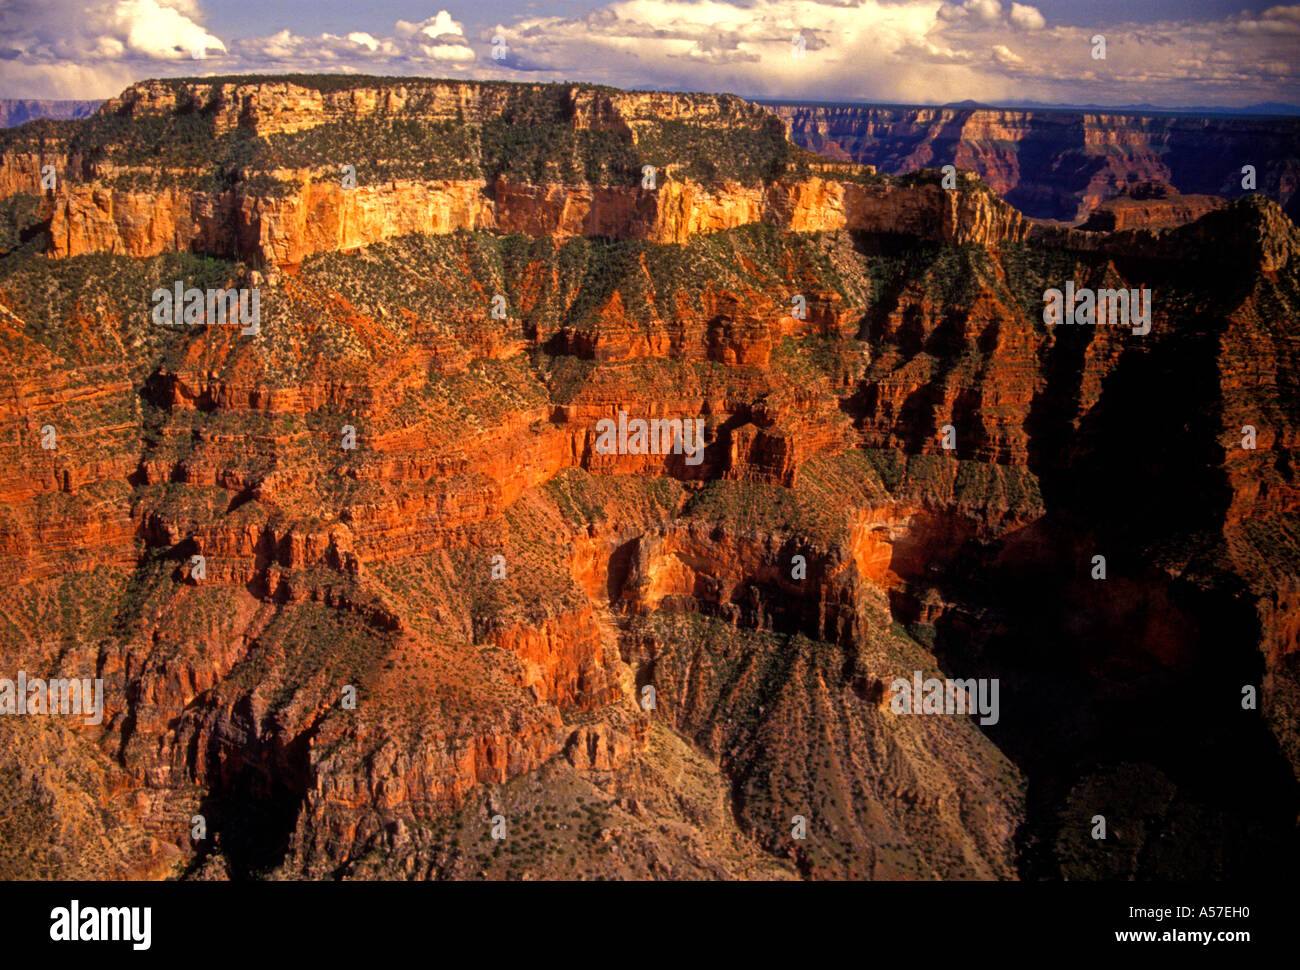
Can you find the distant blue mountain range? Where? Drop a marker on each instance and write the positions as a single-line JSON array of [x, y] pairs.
[[16, 111]]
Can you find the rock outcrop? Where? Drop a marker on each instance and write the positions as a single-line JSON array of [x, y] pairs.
[[106, 201]]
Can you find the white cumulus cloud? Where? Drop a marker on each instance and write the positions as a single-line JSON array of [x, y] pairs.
[[1026, 17], [158, 29]]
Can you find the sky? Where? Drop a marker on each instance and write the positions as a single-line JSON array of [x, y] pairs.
[[1173, 53]]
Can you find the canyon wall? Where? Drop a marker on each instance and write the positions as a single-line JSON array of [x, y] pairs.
[[278, 216], [1061, 164], [322, 217]]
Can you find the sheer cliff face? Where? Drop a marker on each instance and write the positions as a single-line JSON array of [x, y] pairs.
[[293, 170], [364, 586], [1061, 164]]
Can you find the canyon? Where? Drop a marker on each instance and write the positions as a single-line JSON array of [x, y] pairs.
[[647, 663], [1061, 164]]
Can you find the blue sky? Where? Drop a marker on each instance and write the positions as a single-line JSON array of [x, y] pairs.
[[1166, 52]]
